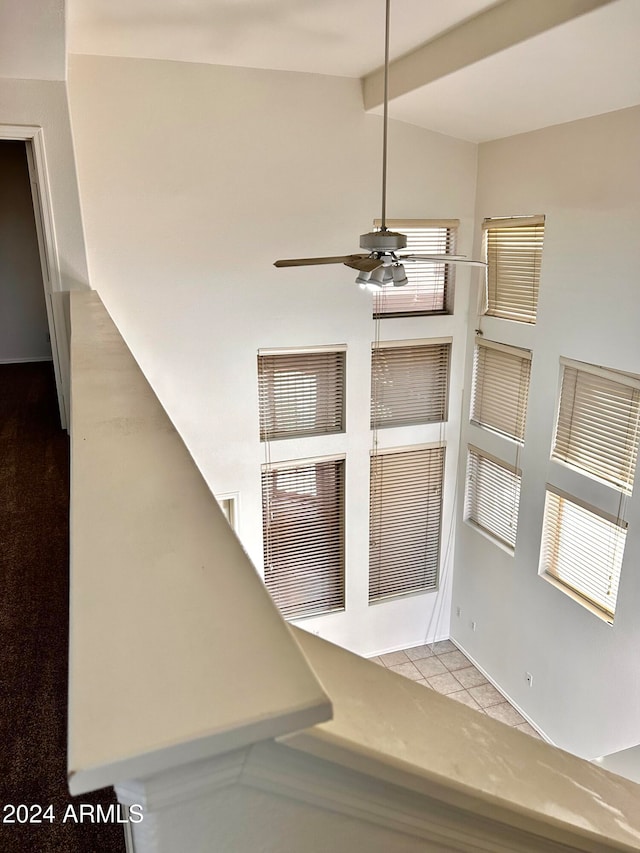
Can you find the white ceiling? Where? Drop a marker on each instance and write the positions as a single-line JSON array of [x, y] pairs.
[[337, 37], [586, 66]]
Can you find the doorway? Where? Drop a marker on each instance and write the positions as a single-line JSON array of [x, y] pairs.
[[24, 326], [32, 324]]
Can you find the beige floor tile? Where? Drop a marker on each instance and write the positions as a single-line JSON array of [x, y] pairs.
[[445, 683], [470, 677], [430, 666], [423, 682], [418, 652], [442, 647], [377, 660], [393, 658], [528, 729], [506, 713], [466, 698], [486, 695], [454, 660], [407, 669]]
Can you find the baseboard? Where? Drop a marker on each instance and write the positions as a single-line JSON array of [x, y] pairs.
[[522, 713], [25, 360], [403, 646]]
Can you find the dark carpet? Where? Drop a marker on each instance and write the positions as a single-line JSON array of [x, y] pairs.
[[34, 622]]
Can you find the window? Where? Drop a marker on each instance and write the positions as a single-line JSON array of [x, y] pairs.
[[493, 495], [598, 423], [500, 388], [582, 550], [229, 506], [301, 393], [405, 517], [429, 283], [513, 249], [303, 526], [409, 382]]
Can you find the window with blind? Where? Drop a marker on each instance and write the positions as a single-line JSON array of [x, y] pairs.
[[492, 500], [405, 518], [429, 284], [598, 423], [582, 550], [303, 528], [409, 382], [500, 388], [513, 250], [301, 393]]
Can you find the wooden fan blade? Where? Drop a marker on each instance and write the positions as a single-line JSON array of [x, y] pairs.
[[442, 259], [305, 262], [364, 263]]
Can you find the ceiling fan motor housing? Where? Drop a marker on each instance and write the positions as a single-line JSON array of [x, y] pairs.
[[383, 241]]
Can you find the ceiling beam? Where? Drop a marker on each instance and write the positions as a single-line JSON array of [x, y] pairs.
[[497, 28]]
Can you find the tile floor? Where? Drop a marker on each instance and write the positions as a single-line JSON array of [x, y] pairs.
[[443, 667]]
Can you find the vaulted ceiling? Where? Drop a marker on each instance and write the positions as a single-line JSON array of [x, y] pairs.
[[476, 69]]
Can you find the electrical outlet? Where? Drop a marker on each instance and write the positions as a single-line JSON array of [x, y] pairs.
[[529, 678], [458, 612], [474, 625]]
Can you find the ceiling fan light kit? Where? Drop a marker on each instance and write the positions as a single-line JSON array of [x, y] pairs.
[[381, 265], [399, 275], [365, 282]]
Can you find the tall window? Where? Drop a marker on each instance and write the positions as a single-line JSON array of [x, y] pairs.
[[596, 434], [500, 388], [428, 287], [492, 499], [409, 382], [303, 527], [405, 517], [301, 392], [513, 250]]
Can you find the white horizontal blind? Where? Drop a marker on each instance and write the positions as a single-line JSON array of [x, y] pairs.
[[301, 393], [583, 549], [409, 384], [597, 427], [405, 516], [426, 291], [514, 256], [493, 496], [500, 388], [303, 527]]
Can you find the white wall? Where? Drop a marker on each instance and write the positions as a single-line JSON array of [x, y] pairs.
[[24, 329], [32, 39], [43, 103], [194, 179], [584, 177]]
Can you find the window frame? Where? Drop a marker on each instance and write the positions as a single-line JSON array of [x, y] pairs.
[[279, 587], [379, 583], [448, 274], [229, 503], [440, 378], [491, 501], [520, 404], [589, 426], [268, 399], [511, 276], [581, 596]]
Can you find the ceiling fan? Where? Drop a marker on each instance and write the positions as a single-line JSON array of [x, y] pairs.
[[381, 264]]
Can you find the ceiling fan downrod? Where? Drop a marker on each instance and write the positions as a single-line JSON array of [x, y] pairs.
[[385, 117], [381, 265]]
